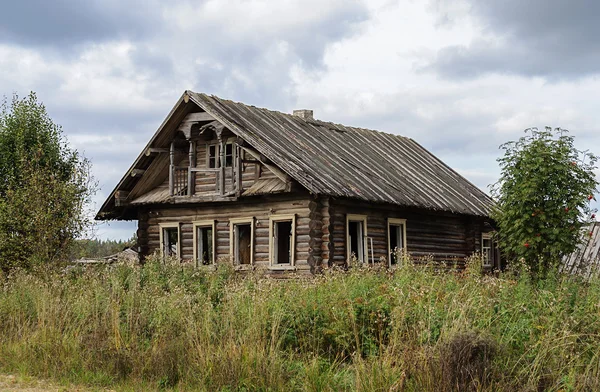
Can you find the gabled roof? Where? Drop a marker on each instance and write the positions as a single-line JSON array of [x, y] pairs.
[[341, 161]]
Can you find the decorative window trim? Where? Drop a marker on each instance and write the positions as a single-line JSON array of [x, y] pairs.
[[238, 221], [357, 218], [218, 153], [205, 223], [172, 225], [395, 222], [282, 218]]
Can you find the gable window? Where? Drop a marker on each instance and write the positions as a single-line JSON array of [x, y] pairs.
[[242, 241], [356, 237], [204, 243], [282, 240], [396, 239], [213, 153], [169, 240], [229, 155]]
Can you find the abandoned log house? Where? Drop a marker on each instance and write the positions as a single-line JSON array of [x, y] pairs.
[[222, 180]]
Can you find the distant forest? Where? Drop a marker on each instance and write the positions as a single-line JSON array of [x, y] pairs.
[[94, 248]]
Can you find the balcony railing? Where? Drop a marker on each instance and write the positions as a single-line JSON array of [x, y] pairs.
[[180, 181]]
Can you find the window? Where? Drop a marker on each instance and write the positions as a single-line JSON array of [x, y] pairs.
[[204, 243], [356, 240], [242, 241], [282, 240], [169, 240], [487, 249], [229, 155], [396, 239], [213, 153]]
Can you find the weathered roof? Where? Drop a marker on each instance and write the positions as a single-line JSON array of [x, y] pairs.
[[338, 160], [325, 158], [585, 261]]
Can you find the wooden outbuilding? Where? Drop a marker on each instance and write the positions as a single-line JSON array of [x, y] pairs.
[[222, 180]]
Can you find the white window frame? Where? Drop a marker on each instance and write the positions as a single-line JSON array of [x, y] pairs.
[[395, 222], [490, 237], [218, 153], [365, 248], [172, 225], [202, 224], [273, 219], [217, 156], [241, 221]]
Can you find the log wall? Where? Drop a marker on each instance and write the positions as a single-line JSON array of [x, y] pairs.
[[441, 235], [259, 208], [320, 229]]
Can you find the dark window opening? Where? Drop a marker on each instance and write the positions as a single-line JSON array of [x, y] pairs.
[[212, 156], [204, 246], [243, 243], [356, 235], [170, 241], [229, 155], [396, 242], [282, 233]]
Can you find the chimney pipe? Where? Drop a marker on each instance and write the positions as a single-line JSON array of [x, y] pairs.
[[304, 114]]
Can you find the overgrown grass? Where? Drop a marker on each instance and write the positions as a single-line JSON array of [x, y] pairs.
[[162, 327]]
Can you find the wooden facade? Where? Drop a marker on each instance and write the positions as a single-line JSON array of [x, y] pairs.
[[225, 181]]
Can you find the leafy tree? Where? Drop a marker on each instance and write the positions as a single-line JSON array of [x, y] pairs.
[[543, 196], [44, 187]]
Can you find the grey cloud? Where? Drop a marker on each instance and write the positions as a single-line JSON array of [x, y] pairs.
[[549, 38], [68, 22]]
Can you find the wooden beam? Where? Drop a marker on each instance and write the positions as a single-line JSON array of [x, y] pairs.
[[137, 172], [199, 117], [278, 173], [121, 198], [172, 169], [193, 118], [153, 150], [192, 164]]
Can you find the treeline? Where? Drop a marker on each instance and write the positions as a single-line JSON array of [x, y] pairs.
[[96, 248]]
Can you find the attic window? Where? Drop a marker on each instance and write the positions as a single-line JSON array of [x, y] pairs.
[[213, 151], [229, 155]]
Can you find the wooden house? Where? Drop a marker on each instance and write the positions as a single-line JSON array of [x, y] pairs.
[[263, 189]]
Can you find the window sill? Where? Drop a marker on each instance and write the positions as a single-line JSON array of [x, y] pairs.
[[282, 267]]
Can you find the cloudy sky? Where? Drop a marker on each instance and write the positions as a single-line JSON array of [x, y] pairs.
[[460, 77]]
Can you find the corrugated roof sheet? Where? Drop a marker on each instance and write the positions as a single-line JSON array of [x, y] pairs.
[[338, 160]]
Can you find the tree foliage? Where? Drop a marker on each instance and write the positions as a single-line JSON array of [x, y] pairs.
[[543, 196], [44, 186]]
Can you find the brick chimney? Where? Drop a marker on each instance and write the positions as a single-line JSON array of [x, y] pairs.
[[304, 114]]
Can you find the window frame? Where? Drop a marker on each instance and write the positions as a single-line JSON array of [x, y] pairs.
[[395, 222], [273, 219], [163, 227], [365, 248], [487, 236], [203, 224], [216, 146], [241, 221]]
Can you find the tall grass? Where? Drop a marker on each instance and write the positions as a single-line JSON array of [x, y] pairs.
[[414, 329]]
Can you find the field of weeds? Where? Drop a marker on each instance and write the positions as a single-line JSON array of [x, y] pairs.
[[170, 327]]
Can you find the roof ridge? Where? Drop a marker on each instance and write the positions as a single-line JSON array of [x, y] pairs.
[[313, 121]]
